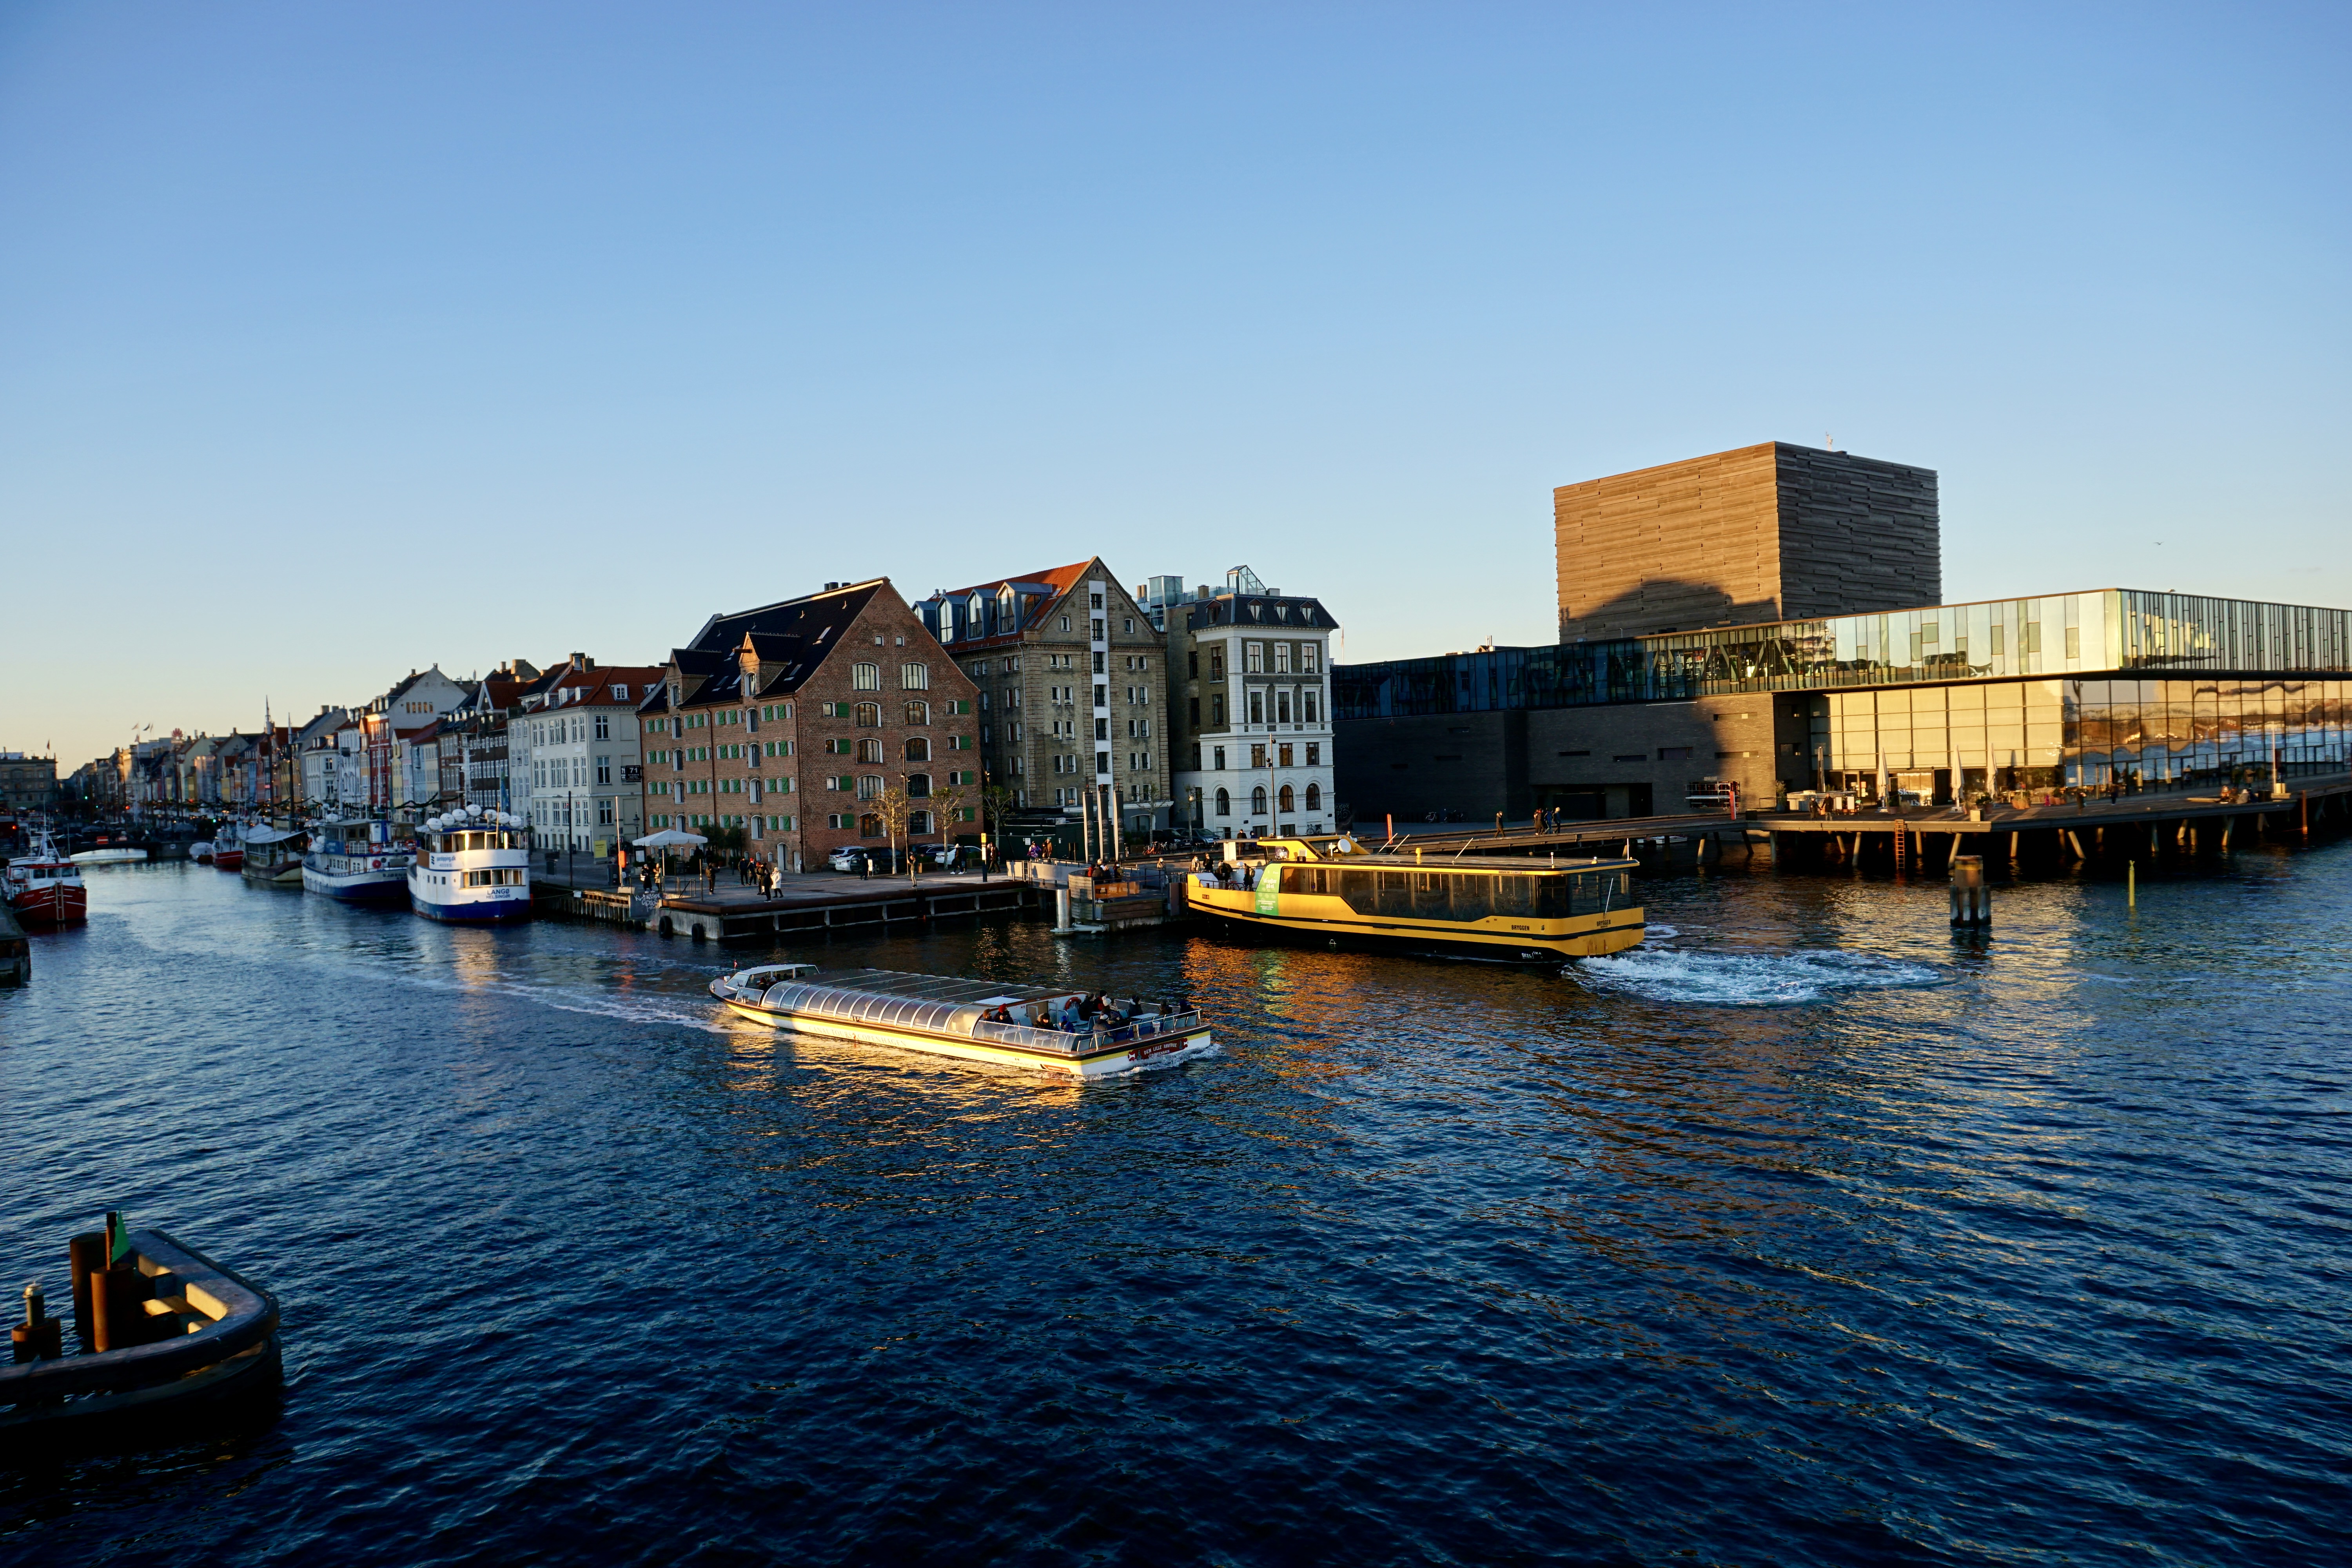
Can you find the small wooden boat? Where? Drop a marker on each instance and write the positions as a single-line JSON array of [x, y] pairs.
[[1050, 1028], [161, 1328], [201, 851], [116, 856]]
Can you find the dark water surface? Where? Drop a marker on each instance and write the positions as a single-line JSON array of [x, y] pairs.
[[2034, 1251]]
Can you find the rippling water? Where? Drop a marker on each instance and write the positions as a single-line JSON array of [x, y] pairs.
[[1807, 1235]]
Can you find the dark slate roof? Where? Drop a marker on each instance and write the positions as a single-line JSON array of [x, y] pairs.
[[796, 634], [1259, 613]]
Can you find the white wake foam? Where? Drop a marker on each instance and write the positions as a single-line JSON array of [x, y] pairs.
[[1746, 979]]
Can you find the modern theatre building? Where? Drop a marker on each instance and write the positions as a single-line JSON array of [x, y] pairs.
[[2143, 690]]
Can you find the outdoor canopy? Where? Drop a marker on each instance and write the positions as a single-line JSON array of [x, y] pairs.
[[667, 836]]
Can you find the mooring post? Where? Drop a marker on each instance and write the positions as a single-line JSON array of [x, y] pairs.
[[2131, 884], [1972, 899]]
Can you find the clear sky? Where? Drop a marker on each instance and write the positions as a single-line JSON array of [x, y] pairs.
[[337, 341]]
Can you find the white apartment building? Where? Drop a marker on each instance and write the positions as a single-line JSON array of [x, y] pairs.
[[1249, 671], [575, 749]]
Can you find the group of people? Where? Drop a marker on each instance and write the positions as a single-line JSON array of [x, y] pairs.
[[1228, 874], [1085, 1013]]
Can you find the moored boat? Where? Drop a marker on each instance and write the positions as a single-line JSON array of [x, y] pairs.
[[357, 862], [46, 889], [114, 855], [161, 1330], [1503, 909], [228, 848], [273, 856], [472, 866], [1050, 1028], [201, 851]]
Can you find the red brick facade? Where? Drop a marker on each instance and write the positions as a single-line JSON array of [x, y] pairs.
[[758, 746]]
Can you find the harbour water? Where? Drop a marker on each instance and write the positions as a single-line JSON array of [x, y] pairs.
[[1806, 1234]]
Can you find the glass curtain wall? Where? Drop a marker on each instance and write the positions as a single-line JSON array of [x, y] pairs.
[[2132, 735], [2059, 634]]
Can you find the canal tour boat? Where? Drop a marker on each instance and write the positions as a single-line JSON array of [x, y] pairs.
[[273, 857], [357, 863], [228, 848], [1050, 1028], [472, 866], [1503, 908], [46, 889]]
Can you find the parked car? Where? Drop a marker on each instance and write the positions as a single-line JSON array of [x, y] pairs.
[[849, 857]]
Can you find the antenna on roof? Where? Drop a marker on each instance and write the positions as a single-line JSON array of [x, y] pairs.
[[1829, 440]]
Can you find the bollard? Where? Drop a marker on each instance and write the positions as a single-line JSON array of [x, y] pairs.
[[2131, 884], [115, 1295], [1972, 899], [39, 1337], [85, 1255], [1062, 908]]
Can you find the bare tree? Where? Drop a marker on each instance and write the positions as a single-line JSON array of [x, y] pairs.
[[947, 803], [891, 806]]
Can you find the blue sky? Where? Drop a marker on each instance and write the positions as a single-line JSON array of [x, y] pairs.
[[337, 341]]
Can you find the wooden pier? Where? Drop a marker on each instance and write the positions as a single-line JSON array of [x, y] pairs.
[[739, 913]]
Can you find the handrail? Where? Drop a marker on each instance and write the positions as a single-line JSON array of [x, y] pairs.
[[243, 1313]]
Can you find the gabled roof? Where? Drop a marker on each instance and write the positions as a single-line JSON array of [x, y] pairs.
[[593, 688], [1039, 592], [791, 639]]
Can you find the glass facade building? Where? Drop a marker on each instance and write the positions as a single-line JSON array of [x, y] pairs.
[[2138, 689]]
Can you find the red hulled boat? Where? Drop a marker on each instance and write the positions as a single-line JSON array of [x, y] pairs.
[[46, 889]]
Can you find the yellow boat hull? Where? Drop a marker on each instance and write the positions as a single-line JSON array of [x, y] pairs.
[[1502, 938]]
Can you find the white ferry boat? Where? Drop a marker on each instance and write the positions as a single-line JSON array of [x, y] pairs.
[[357, 862], [472, 866], [1049, 1028]]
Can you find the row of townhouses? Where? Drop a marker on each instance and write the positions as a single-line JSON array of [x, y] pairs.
[[845, 716]]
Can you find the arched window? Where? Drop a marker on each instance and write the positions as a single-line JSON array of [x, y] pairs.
[[869, 715], [918, 712], [1225, 803], [1257, 801], [919, 750], [918, 822], [869, 825], [1289, 802], [869, 751], [915, 677], [866, 677], [919, 787], [1314, 797]]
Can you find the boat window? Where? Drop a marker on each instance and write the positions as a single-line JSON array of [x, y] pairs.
[[1395, 896], [1551, 897], [1512, 894], [1428, 894], [1473, 896]]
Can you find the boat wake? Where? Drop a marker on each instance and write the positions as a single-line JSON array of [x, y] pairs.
[[1747, 979]]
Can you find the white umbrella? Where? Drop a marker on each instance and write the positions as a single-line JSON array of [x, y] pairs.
[[669, 835]]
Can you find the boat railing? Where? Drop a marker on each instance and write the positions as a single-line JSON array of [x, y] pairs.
[[1064, 1042]]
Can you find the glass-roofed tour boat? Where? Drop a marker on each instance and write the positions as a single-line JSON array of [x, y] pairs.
[[1080, 1034], [472, 866], [1502, 908]]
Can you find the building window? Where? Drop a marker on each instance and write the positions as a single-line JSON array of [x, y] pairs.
[[1257, 707], [918, 712], [605, 810], [1225, 803], [1289, 802], [1282, 706], [1282, 665], [604, 770], [1314, 758], [869, 825], [1314, 797], [869, 786], [1674, 753], [1257, 801], [869, 751], [604, 727], [1253, 658], [1282, 754], [915, 677], [866, 677], [918, 822], [869, 715], [1310, 660], [1310, 705], [919, 787]]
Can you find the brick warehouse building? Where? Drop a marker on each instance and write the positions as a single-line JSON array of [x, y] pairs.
[[790, 720]]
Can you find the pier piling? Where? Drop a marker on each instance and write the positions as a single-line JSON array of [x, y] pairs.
[[1972, 899]]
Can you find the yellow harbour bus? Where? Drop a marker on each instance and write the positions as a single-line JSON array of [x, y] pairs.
[[1501, 908]]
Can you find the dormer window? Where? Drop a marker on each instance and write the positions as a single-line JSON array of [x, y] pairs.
[[1006, 600], [620, 694]]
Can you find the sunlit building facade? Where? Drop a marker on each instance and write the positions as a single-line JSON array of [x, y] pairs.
[[2142, 690]]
